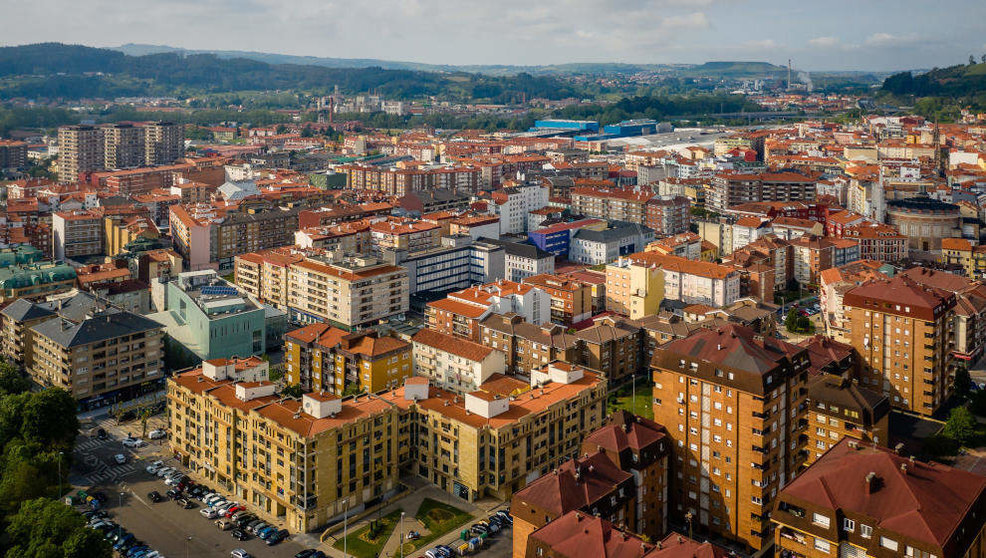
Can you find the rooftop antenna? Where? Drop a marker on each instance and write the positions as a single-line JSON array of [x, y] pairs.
[[788, 74]]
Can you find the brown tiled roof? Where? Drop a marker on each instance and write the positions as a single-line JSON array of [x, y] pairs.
[[926, 502], [580, 535], [912, 298], [578, 483]]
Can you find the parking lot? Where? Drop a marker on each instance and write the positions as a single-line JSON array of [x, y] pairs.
[[164, 526]]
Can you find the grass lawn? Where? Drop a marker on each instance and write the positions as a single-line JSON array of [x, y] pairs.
[[438, 518], [360, 544], [623, 399]]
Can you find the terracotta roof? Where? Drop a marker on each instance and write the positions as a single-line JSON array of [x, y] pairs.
[[580, 535], [454, 345], [576, 484]]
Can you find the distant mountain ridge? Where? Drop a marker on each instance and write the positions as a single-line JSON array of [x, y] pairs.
[[709, 69]]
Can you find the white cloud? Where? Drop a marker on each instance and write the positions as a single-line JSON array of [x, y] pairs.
[[888, 39], [763, 44], [824, 42], [694, 20]]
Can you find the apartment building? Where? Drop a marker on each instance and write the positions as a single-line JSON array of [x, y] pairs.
[[598, 247], [514, 203], [264, 275], [528, 346], [521, 261], [85, 148], [319, 357], [496, 440], [458, 263], [13, 154], [206, 237], [17, 342], [76, 234], [614, 204], [345, 292], [693, 282], [80, 149], [404, 234], [641, 447], [838, 408], [123, 146], [878, 242], [164, 142], [571, 300], [904, 333], [403, 182], [667, 215], [961, 252], [734, 188], [35, 278], [728, 397], [100, 358], [834, 283], [611, 345], [969, 319], [861, 500], [592, 484], [634, 289], [454, 364], [304, 461], [461, 311]]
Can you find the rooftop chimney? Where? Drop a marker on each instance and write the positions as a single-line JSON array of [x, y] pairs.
[[871, 482]]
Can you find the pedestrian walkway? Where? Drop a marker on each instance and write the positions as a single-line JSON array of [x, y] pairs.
[[409, 504]]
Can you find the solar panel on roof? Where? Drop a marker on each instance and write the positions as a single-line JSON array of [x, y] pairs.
[[224, 291]]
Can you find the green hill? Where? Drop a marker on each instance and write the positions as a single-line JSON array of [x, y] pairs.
[[55, 70], [954, 81]]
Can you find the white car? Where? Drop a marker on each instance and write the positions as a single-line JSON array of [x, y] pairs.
[[120, 458], [165, 471], [239, 553], [133, 443], [153, 468], [157, 434], [209, 513]]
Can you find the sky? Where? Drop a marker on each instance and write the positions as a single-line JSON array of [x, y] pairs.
[[828, 35]]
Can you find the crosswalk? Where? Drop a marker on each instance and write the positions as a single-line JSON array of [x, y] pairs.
[[90, 444], [103, 473]]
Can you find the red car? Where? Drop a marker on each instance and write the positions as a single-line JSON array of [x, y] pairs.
[[232, 510]]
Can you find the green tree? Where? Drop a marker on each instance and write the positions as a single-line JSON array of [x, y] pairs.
[[45, 528], [49, 418], [962, 382], [12, 380], [961, 425]]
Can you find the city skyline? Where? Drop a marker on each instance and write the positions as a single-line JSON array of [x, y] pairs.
[[828, 37]]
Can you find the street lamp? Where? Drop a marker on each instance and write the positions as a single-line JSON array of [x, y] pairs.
[[345, 527], [689, 517], [402, 535], [188, 539], [119, 528]]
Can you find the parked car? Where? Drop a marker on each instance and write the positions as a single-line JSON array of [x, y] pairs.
[[133, 443], [120, 459], [224, 525], [157, 434], [266, 532], [185, 503], [239, 553], [208, 513], [249, 527], [164, 471], [306, 553], [240, 535], [413, 535], [233, 509], [277, 537], [154, 467], [154, 496]]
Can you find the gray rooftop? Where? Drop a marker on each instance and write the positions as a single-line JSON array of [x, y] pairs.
[[109, 324]]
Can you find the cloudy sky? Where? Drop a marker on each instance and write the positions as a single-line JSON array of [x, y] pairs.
[[830, 35]]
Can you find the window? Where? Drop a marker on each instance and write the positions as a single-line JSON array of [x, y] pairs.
[[822, 545], [889, 544], [820, 520], [848, 524]]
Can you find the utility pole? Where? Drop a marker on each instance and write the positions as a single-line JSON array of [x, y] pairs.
[[402, 535], [345, 528]]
